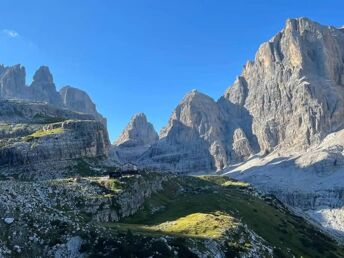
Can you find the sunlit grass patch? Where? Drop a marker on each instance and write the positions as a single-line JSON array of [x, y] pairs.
[[224, 181], [43, 133], [197, 225]]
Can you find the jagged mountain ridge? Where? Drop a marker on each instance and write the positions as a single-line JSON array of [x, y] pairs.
[[43, 89], [45, 133], [290, 96]]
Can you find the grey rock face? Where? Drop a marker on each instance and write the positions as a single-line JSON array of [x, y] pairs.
[[73, 139], [43, 87], [294, 88], [203, 135], [35, 137], [12, 82], [241, 146], [197, 137], [78, 100], [135, 139], [139, 132]]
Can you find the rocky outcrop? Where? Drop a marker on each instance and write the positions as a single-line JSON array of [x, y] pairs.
[[192, 136], [294, 87], [139, 132], [12, 82], [43, 88], [79, 101], [54, 143], [241, 147], [202, 135], [34, 137], [135, 139]]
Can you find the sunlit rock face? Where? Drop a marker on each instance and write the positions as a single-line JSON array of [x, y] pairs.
[[294, 87], [199, 136], [135, 139], [139, 132]]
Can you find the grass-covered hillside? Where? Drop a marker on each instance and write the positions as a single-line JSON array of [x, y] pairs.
[[150, 215]]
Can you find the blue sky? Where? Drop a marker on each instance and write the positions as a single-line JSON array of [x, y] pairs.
[[144, 56]]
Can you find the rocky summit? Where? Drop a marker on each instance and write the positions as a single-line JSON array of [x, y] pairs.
[[135, 139], [79, 101]]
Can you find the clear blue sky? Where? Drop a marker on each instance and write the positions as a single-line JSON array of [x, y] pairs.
[[143, 56]]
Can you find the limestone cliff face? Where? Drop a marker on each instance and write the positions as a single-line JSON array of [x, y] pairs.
[[294, 88], [78, 100], [73, 140], [198, 137], [33, 132], [139, 132], [135, 139], [39, 136], [12, 82], [196, 124], [43, 87]]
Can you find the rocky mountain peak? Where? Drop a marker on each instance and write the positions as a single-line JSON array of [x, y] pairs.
[[192, 111], [12, 81], [77, 100], [43, 74], [43, 88], [139, 132]]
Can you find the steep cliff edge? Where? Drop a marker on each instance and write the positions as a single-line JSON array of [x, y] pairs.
[[38, 140], [79, 101], [43, 89], [294, 88]]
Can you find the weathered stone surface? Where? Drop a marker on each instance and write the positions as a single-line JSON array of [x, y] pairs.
[[193, 138], [43, 87], [78, 100], [36, 136], [139, 132], [241, 146], [310, 181], [12, 82], [77, 139], [294, 88], [203, 135], [135, 139]]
